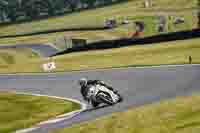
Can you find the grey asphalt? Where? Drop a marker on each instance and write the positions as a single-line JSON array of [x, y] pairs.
[[42, 49], [139, 86]]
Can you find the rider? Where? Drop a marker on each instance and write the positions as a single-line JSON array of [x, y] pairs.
[[85, 85]]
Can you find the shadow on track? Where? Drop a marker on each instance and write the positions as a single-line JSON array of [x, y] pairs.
[[93, 109]]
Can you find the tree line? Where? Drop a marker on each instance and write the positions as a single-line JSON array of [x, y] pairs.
[[13, 10]]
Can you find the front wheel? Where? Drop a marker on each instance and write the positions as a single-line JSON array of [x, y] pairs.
[[105, 99]]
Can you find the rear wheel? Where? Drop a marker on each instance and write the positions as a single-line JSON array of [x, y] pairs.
[[120, 98], [95, 104]]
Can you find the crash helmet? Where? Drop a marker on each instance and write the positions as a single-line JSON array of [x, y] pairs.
[[83, 82]]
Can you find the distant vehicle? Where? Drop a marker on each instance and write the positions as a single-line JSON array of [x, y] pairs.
[[125, 21], [179, 20], [99, 94], [110, 23]]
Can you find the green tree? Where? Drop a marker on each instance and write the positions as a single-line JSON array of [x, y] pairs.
[[12, 10], [3, 10], [33, 8], [89, 3], [198, 12], [50, 6], [72, 4]]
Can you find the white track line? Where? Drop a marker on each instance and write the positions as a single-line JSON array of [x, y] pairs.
[[58, 118], [83, 105]]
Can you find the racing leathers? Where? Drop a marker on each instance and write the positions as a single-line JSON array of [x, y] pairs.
[[85, 89]]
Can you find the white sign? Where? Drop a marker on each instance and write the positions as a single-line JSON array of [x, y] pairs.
[[49, 66], [147, 3]]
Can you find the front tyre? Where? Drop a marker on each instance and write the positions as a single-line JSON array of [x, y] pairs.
[[105, 99]]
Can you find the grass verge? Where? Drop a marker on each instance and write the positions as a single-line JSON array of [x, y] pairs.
[[96, 17], [16, 56], [22, 111], [181, 115], [176, 52]]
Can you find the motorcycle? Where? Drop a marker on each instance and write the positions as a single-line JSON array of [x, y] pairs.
[[98, 94]]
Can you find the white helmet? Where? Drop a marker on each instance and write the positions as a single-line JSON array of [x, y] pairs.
[[83, 82]]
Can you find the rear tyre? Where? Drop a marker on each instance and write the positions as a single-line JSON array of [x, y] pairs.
[[120, 98], [95, 104]]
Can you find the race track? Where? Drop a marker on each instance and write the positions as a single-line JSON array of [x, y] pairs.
[[43, 50], [139, 86]]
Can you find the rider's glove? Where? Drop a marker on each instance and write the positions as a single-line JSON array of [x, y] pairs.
[[115, 91], [100, 82]]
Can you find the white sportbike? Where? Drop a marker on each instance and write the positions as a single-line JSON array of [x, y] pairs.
[[98, 94]]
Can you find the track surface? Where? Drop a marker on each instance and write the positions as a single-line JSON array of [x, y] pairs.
[[139, 86], [42, 49]]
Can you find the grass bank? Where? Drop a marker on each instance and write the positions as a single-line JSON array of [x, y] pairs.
[[122, 31], [181, 115], [176, 52], [16, 56], [22, 111], [164, 53]]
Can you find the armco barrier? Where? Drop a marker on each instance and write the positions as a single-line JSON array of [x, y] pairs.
[[106, 44]]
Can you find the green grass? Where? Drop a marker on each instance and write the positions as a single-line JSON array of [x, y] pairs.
[[164, 53], [176, 52], [16, 56], [122, 31], [19, 111], [96, 17], [181, 115], [133, 10]]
